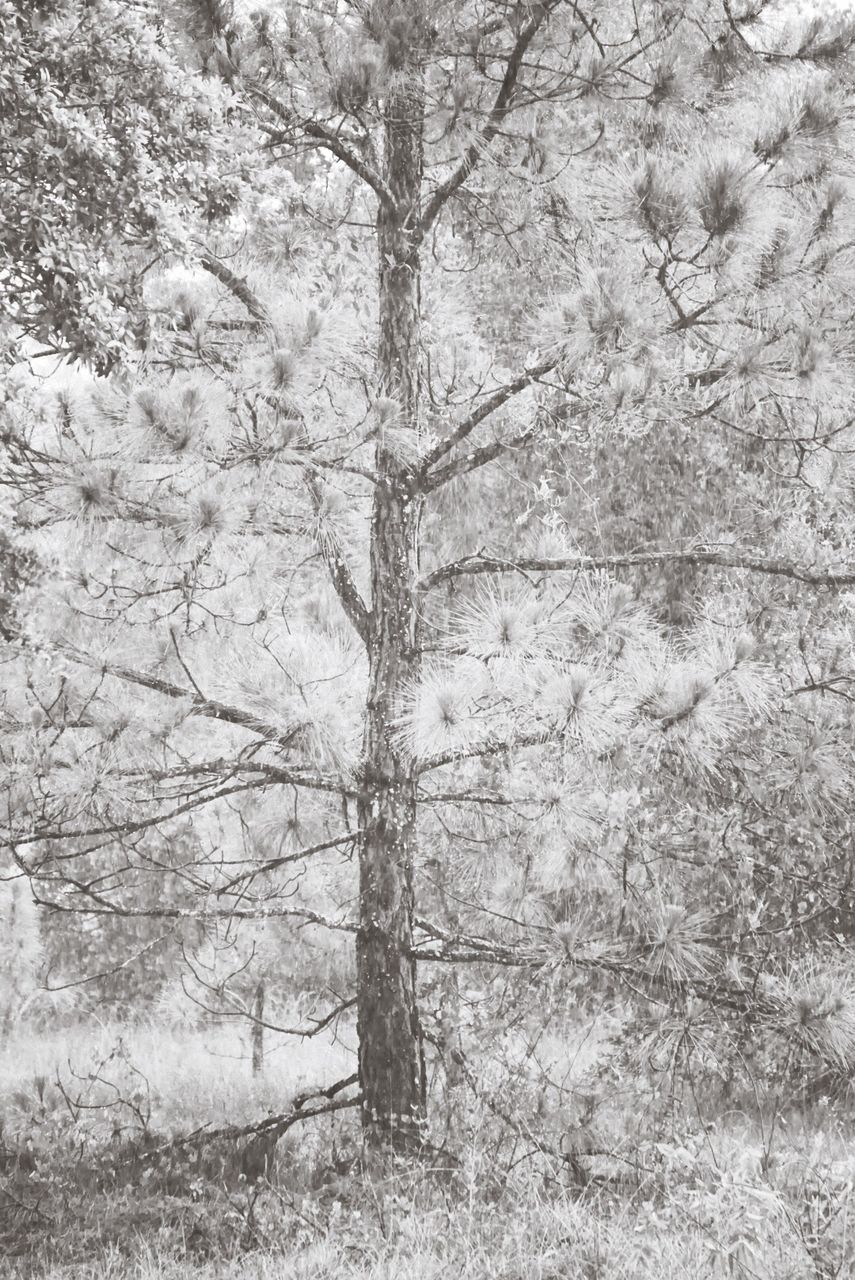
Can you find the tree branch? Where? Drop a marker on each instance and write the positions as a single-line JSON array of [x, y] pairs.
[[318, 1024], [330, 142], [726, 558], [474, 459], [239, 287], [488, 406], [289, 857], [499, 110], [339, 570], [628, 968], [106, 908], [209, 707], [277, 1124], [129, 828], [491, 748]]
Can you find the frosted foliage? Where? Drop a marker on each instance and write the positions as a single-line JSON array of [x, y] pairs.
[[504, 624], [816, 997], [178, 510], [587, 669]]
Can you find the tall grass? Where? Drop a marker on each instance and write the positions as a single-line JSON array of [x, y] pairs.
[[720, 1203], [188, 1076]]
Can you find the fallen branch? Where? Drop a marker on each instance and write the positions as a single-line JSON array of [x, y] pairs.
[[272, 1125]]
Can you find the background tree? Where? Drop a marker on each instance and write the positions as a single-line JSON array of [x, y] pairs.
[[104, 146], [597, 235]]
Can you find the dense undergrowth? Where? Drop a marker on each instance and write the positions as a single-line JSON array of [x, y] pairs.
[[91, 1185]]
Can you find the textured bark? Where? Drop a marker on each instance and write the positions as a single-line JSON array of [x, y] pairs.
[[391, 1061], [258, 1029]]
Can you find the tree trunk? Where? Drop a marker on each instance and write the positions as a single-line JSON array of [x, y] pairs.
[[391, 1059], [258, 1029]]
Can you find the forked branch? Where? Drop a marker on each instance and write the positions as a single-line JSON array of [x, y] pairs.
[[500, 108], [329, 140], [487, 406]]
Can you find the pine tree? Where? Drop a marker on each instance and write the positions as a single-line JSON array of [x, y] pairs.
[[321, 569]]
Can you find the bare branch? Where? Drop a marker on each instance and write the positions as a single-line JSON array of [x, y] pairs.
[[106, 908], [456, 945], [46, 984], [318, 1024], [485, 408], [490, 748], [277, 1124], [280, 1124], [141, 824], [499, 110], [476, 458], [330, 142], [347, 838], [240, 1010], [724, 557], [239, 287]]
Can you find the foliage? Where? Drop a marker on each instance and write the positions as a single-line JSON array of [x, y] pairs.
[[106, 140], [706, 1197]]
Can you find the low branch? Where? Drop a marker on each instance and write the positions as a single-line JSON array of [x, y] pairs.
[[493, 402], [277, 1124], [725, 558]]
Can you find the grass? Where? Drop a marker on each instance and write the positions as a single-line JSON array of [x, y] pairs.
[[184, 1074], [710, 1203], [388, 1231]]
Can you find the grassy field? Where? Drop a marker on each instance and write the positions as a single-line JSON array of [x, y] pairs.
[[731, 1199], [185, 1076]]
